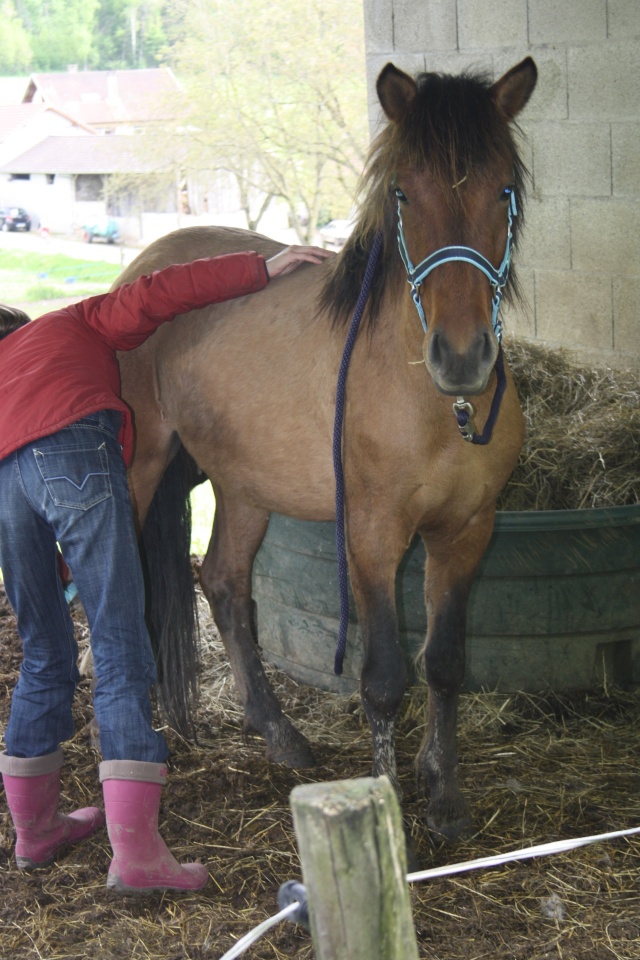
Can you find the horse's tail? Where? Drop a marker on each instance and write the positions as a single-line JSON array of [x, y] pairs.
[[171, 611]]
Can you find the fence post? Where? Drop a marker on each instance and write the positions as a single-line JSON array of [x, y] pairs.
[[352, 849]]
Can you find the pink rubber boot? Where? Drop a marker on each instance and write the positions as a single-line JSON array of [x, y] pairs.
[[32, 787], [141, 863]]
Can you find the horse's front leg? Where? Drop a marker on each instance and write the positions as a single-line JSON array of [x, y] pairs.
[[372, 571], [225, 576], [451, 565]]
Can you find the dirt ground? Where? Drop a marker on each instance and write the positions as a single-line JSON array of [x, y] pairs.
[[535, 768]]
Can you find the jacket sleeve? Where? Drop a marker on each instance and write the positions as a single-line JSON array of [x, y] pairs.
[[125, 317]]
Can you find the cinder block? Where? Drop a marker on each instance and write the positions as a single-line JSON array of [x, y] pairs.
[[570, 21], [549, 99], [625, 152], [604, 81], [420, 27], [523, 140], [624, 19], [571, 159], [453, 61], [605, 236], [626, 329], [378, 25], [574, 309], [488, 25], [546, 239]]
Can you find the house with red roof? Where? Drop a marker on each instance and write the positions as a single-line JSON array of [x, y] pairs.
[[73, 134]]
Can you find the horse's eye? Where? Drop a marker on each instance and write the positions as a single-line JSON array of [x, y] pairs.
[[507, 193], [400, 195]]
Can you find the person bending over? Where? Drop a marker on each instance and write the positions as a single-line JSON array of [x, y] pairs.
[[66, 438]]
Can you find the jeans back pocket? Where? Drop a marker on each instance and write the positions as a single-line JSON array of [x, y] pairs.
[[76, 477]]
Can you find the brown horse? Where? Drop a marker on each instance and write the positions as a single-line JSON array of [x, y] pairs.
[[248, 389]]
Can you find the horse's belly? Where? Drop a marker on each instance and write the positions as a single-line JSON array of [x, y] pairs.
[[267, 442]]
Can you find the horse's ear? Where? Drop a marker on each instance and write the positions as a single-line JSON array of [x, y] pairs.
[[396, 92], [512, 91]]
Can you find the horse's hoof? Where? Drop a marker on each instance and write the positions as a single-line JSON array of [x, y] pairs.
[[448, 827], [297, 757]]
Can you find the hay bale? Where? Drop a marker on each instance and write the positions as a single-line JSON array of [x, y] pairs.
[[582, 442]]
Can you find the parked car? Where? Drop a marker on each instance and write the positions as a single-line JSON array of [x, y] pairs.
[[14, 218], [335, 234], [105, 229]]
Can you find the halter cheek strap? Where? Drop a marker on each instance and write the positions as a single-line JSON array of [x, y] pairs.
[[496, 277]]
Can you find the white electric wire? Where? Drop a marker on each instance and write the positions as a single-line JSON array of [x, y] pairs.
[[241, 945], [540, 850]]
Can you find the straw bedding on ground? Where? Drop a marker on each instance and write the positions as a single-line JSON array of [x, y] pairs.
[[535, 768]]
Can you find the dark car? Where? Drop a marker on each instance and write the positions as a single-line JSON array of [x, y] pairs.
[[104, 229], [14, 218]]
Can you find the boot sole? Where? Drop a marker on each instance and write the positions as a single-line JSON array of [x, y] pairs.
[[116, 885]]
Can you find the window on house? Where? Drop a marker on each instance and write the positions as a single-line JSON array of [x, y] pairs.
[[89, 186], [51, 177]]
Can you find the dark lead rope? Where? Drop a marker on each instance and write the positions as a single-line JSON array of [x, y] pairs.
[[337, 450]]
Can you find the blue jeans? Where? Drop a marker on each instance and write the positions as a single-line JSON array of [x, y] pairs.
[[71, 487]]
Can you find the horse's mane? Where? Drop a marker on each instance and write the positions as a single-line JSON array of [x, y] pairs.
[[454, 129]]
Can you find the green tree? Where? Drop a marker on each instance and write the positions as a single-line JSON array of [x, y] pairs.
[[61, 31], [130, 33], [15, 48], [279, 100]]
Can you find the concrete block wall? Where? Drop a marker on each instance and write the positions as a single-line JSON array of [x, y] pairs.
[[579, 262]]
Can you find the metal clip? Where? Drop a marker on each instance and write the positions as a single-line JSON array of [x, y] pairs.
[[465, 413]]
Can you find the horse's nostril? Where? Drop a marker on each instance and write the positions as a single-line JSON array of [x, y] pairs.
[[487, 347], [435, 351]]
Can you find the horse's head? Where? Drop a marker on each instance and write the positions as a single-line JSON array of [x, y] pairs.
[[453, 179]]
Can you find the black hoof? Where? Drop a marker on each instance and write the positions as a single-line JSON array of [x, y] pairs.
[[449, 828], [298, 758]]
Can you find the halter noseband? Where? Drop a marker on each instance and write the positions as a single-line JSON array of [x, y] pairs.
[[462, 409], [497, 278]]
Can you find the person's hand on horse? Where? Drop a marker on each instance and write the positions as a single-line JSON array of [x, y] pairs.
[[291, 257]]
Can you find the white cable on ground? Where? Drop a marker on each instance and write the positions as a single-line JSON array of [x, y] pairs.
[[238, 948], [540, 850]]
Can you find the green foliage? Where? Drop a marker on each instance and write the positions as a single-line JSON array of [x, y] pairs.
[[49, 35], [29, 278], [15, 46], [130, 34], [60, 31]]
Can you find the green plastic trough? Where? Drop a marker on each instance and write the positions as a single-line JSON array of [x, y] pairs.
[[556, 603]]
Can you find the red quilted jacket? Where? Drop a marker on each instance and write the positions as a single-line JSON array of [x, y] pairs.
[[63, 366]]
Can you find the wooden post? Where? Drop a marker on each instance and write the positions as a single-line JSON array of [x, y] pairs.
[[352, 849]]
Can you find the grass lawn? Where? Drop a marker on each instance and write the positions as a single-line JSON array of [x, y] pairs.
[[39, 282]]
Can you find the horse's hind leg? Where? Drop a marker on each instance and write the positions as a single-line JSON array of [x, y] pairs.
[[451, 565], [225, 576]]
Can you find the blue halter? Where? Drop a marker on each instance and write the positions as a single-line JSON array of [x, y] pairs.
[[497, 278]]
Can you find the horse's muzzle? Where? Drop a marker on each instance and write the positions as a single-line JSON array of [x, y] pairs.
[[461, 374]]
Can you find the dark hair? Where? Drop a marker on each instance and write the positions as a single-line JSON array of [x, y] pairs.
[[10, 319]]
